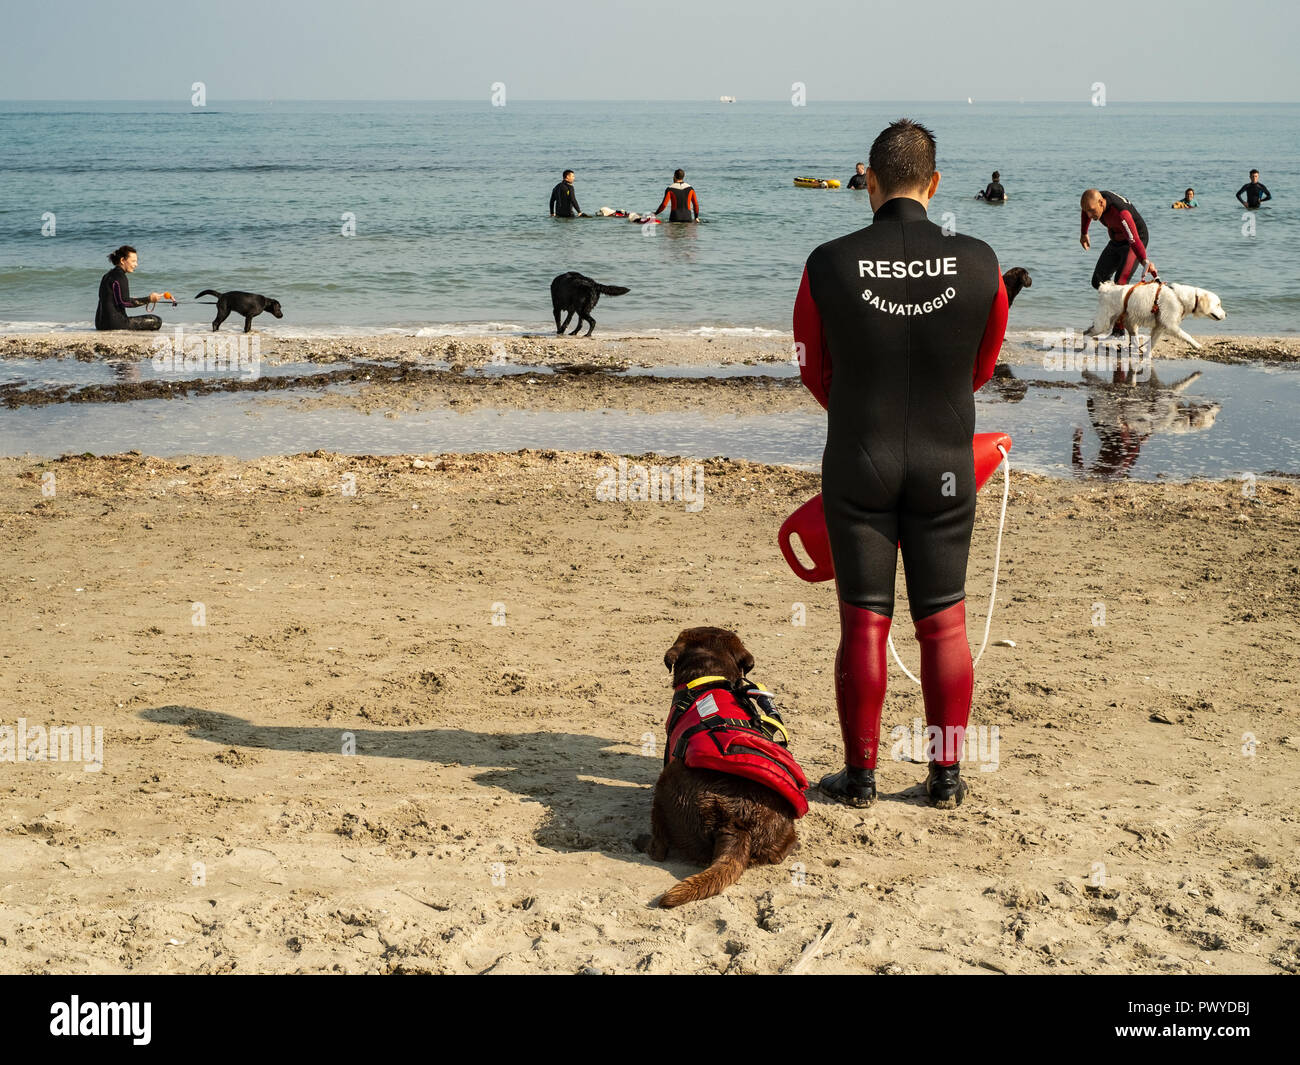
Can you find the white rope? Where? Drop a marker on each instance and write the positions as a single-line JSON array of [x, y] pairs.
[[997, 561]]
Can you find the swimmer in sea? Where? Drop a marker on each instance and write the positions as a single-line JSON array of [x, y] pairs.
[[115, 295], [564, 201], [994, 192], [681, 197], [1255, 193], [1187, 202], [859, 180]]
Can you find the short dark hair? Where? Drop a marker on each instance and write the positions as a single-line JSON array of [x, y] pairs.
[[566, 173], [902, 157], [997, 176], [116, 257], [679, 174], [1189, 189], [1254, 171]]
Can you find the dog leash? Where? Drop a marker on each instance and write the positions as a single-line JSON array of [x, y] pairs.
[[997, 561], [1155, 303]]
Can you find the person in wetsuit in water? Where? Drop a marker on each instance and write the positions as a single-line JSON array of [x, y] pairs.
[[1255, 192], [899, 324], [564, 202], [681, 197], [115, 295], [994, 192], [859, 179], [1128, 236]]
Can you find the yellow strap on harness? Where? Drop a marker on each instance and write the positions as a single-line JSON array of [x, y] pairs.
[[772, 722], [769, 721], [702, 680]]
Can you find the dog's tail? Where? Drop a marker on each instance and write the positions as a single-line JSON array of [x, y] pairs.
[[612, 290], [730, 859], [208, 292]]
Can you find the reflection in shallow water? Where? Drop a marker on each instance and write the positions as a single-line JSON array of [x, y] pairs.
[[1187, 419], [1126, 408], [43, 373]]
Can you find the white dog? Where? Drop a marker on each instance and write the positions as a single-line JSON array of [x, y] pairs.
[[1174, 303]]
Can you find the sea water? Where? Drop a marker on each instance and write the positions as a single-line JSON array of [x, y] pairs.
[[366, 217]]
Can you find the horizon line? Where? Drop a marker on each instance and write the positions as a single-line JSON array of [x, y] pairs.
[[1084, 102]]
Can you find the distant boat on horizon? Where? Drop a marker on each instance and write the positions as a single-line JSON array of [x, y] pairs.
[[727, 99]]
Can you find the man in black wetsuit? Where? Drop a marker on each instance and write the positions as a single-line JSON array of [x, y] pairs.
[[564, 203], [994, 192], [115, 295], [1255, 192], [859, 180], [911, 321]]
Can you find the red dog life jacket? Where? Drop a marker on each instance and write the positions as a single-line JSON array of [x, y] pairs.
[[717, 725]]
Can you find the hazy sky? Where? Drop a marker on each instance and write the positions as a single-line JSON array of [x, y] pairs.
[[650, 49]]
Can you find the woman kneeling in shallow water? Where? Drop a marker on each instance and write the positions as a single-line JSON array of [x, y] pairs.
[[115, 295]]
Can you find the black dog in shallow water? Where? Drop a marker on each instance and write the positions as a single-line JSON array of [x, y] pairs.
[[575, 294], [249, 304], [1015, 279]]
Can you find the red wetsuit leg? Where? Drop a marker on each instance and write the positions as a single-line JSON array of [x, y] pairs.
[[947, 678], [860, 674], [1130, 264]]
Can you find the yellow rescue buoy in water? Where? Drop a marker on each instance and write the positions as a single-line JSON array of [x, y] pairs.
[[816, 183]]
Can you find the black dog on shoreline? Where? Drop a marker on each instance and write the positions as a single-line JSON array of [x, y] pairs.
[[574, 293], [1015, 279], [249, 304]]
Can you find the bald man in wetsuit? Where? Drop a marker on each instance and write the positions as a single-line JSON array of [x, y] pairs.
[[900, 323], [1128, 236]]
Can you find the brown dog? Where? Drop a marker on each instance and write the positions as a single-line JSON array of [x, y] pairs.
[[709, 816]]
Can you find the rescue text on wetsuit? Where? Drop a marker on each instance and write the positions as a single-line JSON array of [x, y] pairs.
[[911, 320]]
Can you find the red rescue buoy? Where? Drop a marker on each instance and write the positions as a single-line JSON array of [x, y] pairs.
[[809, 521]]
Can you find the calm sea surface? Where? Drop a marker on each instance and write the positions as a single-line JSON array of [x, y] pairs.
[[450, 206]]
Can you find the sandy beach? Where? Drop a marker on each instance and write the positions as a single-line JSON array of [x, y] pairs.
[[1140, 817], [338, 584]]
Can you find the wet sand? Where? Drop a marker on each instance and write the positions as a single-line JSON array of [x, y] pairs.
[[606, 350], [1141, 816], [392, 375]]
